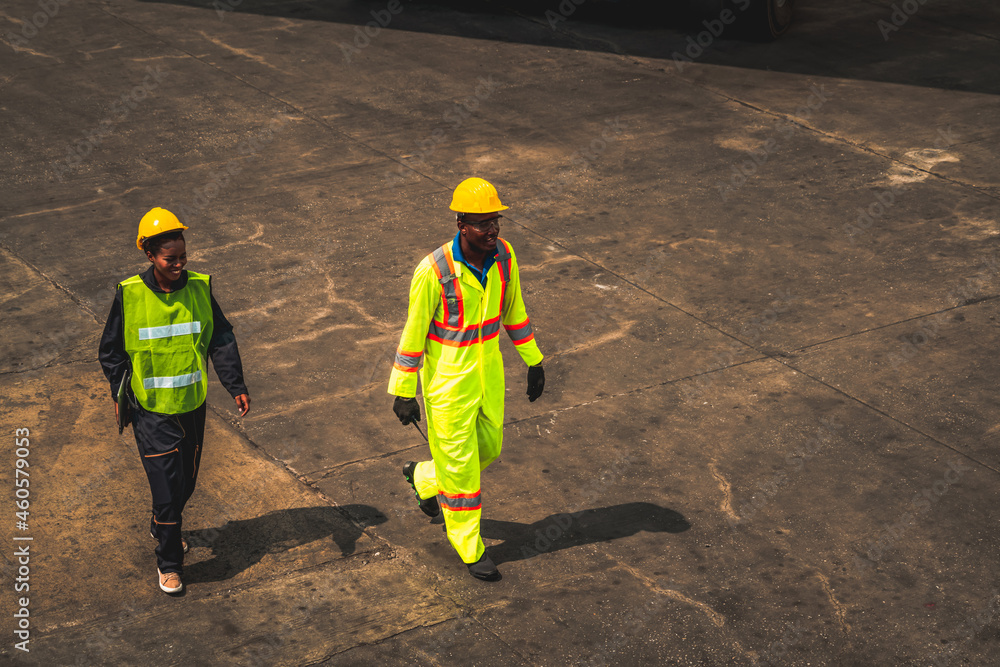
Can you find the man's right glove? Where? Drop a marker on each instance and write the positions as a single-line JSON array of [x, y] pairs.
[[407, 409]]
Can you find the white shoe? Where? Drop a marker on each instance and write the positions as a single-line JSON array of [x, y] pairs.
[[170, 582]]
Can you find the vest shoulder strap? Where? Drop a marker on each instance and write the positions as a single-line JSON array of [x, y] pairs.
[[131, 281], [450, 289], [503, 258]]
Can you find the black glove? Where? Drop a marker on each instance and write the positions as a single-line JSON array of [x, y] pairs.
[[536, 382], [407, 409]]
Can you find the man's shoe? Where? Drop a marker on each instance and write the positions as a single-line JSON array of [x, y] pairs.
[[428, 506], [484, 569], [152, 533], [170, 582]]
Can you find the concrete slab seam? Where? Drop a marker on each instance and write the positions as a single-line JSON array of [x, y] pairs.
[[326, 472], [239, 431], [971, 302], [834, 137], [637, 390], [53, 282], [888, 416], [299, 110]]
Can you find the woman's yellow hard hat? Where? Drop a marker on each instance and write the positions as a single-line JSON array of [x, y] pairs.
[[157, 221]]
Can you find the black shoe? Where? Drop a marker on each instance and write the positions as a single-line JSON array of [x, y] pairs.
[[484, 569], [430, 506]]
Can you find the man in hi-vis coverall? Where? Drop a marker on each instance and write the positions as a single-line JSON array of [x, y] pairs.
[[459, 296]]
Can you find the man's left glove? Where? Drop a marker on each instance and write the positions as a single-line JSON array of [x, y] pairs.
[[407, 409], [536, 382]]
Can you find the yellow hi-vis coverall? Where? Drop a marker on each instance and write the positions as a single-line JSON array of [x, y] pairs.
[[453, 326]]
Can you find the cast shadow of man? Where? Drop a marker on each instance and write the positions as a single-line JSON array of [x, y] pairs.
[[238, 545], [573, 529]]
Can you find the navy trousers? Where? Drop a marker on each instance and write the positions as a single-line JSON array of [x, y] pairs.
[[170, 447]]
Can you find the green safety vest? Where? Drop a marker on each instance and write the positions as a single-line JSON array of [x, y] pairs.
[[166, 338]]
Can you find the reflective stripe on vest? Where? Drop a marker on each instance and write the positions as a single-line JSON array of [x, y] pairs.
[[450, 331], [166, 338], [503, 257], [451, 291], [462, 337], [172, 382], [170, 330]]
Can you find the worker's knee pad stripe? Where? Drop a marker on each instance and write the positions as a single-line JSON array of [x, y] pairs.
[[478, 506], [461, 501]]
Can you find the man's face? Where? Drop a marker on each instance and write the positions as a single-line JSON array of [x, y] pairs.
[[481, 230]]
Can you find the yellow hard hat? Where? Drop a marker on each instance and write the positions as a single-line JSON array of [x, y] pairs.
[[157, 221], [474, 195]]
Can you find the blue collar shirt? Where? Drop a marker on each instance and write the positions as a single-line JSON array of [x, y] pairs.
[[456, 253]]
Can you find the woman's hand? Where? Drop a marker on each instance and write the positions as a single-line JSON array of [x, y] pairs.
[[243, 404]]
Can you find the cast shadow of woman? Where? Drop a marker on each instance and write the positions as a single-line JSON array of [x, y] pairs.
[[573, 529], [238, 545]]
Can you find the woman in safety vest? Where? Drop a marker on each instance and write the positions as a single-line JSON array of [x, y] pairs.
[[163, 327]]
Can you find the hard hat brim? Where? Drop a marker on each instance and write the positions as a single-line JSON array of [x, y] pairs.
[[492, 209], [142, 239]]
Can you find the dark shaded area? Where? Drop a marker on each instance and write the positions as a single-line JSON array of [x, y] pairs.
[[835, 39], [562, 531], [238, 545]]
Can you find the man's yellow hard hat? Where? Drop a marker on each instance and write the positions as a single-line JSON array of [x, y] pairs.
[[157, 221], [474, 195]]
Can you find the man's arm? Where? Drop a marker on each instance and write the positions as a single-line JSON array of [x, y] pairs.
[[425, 295], [515, 319]]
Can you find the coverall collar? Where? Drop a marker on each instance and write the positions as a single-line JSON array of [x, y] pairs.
[[456, 253]]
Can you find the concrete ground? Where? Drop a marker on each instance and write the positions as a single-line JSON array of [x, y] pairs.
[[765, 276]]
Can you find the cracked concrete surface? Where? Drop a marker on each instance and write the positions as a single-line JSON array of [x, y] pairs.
[[768, 300]]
